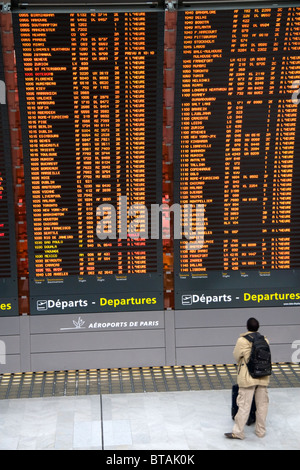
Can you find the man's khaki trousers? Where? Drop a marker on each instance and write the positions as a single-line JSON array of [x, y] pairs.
[[244, 401]]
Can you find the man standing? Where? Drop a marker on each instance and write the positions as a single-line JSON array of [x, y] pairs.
[[249, 386]]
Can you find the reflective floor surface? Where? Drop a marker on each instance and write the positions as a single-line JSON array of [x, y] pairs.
[[176, 420]]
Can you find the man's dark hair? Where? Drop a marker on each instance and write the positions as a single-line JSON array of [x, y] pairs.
[[252, 324]]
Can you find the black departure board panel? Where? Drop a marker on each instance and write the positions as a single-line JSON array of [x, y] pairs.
[[237, 144], [8, 265], [90, 89]]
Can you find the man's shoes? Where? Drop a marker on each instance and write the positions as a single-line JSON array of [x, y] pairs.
[[230, 435]]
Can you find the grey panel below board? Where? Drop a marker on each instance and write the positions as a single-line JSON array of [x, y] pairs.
[[98, 359], [204, 355], [11, 343], [282, 352], [9, 326], [236, 317], [228, 336], [190, 337], [224, 355], [97, 341], [12, 365], [285, 334]]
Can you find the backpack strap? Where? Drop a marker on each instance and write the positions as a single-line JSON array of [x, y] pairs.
[[251, 337]]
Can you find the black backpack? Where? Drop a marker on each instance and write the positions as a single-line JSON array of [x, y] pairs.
[[259, 364]]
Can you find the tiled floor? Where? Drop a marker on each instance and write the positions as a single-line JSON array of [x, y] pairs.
[[191, 420]]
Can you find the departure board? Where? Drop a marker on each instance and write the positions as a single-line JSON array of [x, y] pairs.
[[8, 265], [237, 143], [91, 88]]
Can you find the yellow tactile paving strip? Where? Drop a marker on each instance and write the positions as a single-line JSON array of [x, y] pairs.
[[134, 380]]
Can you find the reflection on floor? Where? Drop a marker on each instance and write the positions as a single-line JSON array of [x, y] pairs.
[[187, 420]]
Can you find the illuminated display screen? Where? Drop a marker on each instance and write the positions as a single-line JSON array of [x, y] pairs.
[[8, 268], [237, 142], [91, 106]]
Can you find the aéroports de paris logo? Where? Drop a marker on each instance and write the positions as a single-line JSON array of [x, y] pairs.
[[78, 325]]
